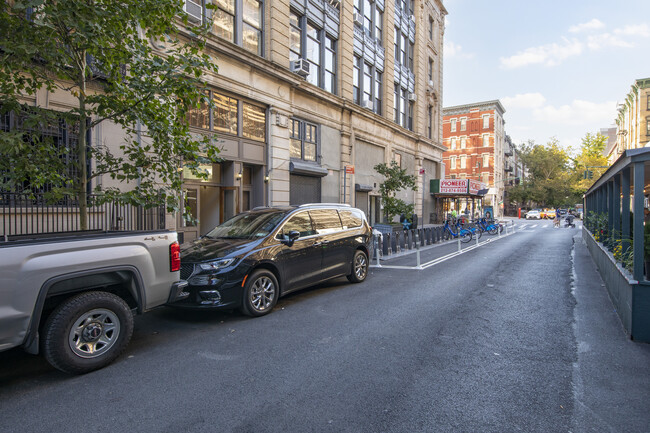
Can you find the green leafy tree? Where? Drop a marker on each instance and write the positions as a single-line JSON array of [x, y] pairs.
[[550, 176], [590, 159], [396, 180], [100, 52]]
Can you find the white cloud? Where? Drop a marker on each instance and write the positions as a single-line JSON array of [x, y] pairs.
[[454, 50], [578, 113], [597, 42], [555, 53], [594, 24], [548, 55], [524, 100], [634, 30]]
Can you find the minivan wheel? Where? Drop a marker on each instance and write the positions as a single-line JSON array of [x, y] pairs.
[[359, 267], [261, 293]]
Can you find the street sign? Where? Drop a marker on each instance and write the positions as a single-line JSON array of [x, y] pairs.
[[422, 171], [349, 169]]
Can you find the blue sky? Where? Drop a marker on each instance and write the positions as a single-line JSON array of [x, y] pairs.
[[558, 67]]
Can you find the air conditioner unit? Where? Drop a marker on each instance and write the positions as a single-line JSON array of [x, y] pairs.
[[300, 67], [413, 97], [358, 19], [367, 104], [194, 11]]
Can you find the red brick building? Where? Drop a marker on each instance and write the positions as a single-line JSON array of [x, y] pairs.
[[476, 149]]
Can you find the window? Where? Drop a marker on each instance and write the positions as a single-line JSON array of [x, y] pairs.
[[453, 143], [367, 85], [430, 74], [486, 140], [648, 106], [309, 42], [398, 159], [304, 140], [463, 142], [225, 116], [301, 223], [486, 160], [404, 48], [647, 125], [463, 123], [452, 162], [463, 175], [453, 125], [430, 122], [411, 114], [350, 218], [240, 22], [325, 221], [430, 28], [486, 121], [373, 18], [463, 161]]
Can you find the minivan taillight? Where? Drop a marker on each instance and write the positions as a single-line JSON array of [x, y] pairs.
[[174, 257]]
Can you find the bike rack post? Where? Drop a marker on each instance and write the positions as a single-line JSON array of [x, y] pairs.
[[417, 251], [378, 246], [458, 238], [477, 236]]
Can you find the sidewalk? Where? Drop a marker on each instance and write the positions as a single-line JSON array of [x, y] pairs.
[[612, 374]]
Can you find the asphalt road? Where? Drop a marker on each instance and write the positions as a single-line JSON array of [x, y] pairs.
[[483, 342]]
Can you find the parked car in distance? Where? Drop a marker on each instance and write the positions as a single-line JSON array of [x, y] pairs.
[[533, 214], [252, 259], [549, 214], [563, 212]]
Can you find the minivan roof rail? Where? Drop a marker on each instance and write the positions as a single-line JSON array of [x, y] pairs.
[[324, 204]]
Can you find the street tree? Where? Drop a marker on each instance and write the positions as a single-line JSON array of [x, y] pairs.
[[100, 52], [396, 180], [550, 175], [591, 161]]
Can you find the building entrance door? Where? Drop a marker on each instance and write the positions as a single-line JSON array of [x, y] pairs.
[[229, 203], [189, 219]]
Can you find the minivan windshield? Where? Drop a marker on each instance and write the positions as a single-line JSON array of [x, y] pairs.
[[247, 225]]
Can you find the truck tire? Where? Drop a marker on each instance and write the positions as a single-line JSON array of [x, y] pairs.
[[87, 331]]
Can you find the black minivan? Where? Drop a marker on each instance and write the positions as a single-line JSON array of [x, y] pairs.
[[252, 259]]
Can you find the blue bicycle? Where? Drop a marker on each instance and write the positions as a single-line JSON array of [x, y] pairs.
[[473, 227], [492, 229], [464, 234]]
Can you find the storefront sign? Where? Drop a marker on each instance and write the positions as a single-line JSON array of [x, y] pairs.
[[453, 186], [475, 186]]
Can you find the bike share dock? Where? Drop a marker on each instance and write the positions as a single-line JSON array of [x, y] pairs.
[[422, 248]]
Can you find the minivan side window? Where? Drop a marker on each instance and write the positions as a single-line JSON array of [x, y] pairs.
[[299, 222], [350, 218], [326, 221]]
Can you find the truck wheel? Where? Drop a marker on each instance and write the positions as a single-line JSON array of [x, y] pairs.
[[87, 332], [260, 294], [359, 267]]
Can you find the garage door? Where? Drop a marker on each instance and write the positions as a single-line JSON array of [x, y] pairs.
[[304, 189]]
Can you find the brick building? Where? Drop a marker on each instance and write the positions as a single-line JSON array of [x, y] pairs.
[[477, 149]]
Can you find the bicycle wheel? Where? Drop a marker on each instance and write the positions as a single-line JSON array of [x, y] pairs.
[[493, 230], [465, 236]]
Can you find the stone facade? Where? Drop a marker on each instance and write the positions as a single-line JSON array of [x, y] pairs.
[[633, 120]]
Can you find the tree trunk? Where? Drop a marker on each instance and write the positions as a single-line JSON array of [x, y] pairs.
[[82, 182]]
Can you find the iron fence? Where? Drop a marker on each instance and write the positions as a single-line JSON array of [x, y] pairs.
[[28, 214]]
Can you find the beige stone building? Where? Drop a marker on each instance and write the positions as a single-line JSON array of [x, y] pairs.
[[307, 88], [633, 120]]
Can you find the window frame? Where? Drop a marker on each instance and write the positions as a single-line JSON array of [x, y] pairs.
[[453, 125], [240, 22], [303, 124], [372, 17], [375, 81], [322, 39]]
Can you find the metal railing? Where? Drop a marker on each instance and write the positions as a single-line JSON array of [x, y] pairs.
[[28, 214]]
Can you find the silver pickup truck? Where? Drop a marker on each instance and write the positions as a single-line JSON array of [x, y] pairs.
[[72, 297]]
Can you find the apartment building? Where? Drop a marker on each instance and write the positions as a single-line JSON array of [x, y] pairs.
[[632, 121], [477, 148], [311, 95]]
